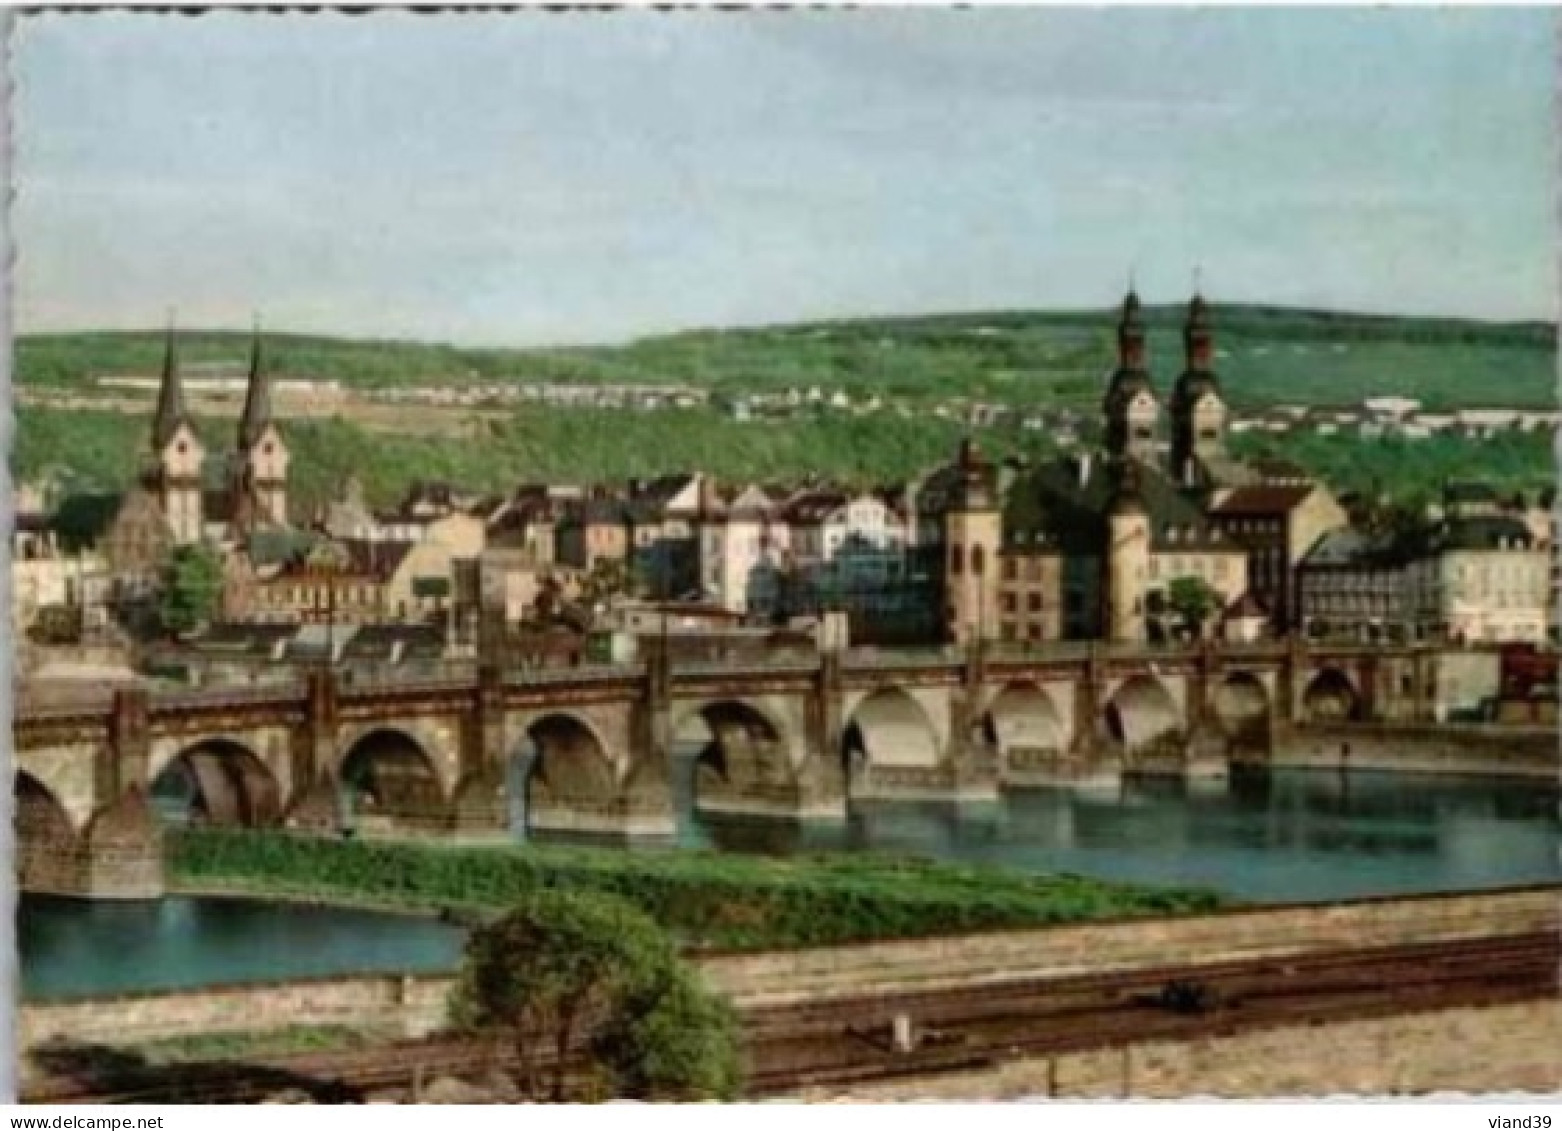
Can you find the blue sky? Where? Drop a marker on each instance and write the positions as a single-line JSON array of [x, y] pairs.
[[543, 178]]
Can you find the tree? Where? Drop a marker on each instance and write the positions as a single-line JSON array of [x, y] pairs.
[[607, 580], [1193, 600], [192, 588], [572, 979]]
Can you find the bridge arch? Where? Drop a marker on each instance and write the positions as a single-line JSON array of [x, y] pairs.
[[217, 781], [390, 782], [889, 728], [1331, 697], [560, 762], [1023, 720], [741, 750], [1141, 714], [46, 839], [1242, 705]]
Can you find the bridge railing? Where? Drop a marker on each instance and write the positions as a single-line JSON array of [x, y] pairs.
[[218, 697], [788, 666], [41, 708], [588, 673], [866, 659], [1039, 650], [349, 682]]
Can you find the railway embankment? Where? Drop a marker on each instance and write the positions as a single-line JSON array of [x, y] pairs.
[[413, 1005]]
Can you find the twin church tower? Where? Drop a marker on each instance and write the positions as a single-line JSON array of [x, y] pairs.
[[1198, 414], [1077, 534], [249, 493]]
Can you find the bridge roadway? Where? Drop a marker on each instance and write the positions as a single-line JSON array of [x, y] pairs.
[[829, 1047], [431, 753]]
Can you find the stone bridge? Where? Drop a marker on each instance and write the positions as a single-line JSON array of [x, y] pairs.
[[590, 749]]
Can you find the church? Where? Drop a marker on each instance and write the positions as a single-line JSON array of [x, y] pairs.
[[1089, 546], [183, 495]]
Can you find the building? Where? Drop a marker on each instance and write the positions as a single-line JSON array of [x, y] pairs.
[[666, 514], [1482, 579], [1091, 548], [1470, 576], [1277, 523], [1354, 584], [1100, 545], [62, 594], [850, 552], [201, 501], [744, 546]]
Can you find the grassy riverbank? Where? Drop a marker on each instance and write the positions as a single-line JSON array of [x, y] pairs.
[[706, 900]]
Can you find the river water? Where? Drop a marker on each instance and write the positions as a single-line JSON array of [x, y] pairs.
[[1290, 835]]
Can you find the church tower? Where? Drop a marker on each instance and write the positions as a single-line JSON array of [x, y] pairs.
[[262, 457], [1132, 413], [1198, 413], [177, 456], [973, 529], [1127, 560]]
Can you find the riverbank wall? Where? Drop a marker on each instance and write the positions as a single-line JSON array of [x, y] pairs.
[[1502, 1048], [1478, 751], [413, 1005]]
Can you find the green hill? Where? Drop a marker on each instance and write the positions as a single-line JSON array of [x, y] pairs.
[[1265, 355]]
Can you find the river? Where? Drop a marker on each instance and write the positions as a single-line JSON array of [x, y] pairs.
[[1290, 835]]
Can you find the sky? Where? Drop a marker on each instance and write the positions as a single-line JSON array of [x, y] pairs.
[[549, 178]]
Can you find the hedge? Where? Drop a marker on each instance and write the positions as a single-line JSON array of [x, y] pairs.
[[705, 899]]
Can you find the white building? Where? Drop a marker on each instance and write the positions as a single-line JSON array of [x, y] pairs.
[[743, 550]]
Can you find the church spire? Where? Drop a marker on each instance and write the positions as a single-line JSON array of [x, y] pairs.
[[257, 397], [170, 412], [1130, 334], [1198, 336]]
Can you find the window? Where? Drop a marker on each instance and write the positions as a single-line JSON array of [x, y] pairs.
[[978, 560], [1008, 602], [1010, 569], [956, 559]]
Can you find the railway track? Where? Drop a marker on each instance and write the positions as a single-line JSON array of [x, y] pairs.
[[846, 1041]]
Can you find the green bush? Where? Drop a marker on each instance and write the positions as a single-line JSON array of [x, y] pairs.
[[588, 973], [705, 900]]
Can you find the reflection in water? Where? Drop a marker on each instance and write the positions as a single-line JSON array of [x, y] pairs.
[[1292, 835], [1289, 835]]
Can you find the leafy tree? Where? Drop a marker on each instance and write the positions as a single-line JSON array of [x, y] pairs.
[[571, 978], [1193, 600], [192, 588], [608, 580]]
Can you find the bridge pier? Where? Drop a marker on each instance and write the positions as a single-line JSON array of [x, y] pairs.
[[618, 818], [765, 786], [118, 856]]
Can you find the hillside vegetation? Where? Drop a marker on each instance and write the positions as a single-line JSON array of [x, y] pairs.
[[96, 451], [1264, 355]]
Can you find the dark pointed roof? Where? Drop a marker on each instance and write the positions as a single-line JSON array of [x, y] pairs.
[[1130, 377], [170, 412], [257, 399], [1198, 378], [1058, 504]]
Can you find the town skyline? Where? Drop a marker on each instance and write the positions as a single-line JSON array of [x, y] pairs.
[[646, 178]]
